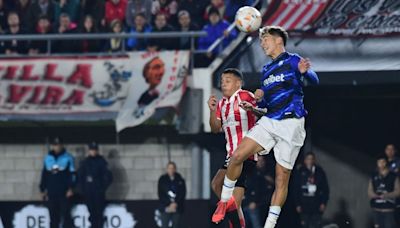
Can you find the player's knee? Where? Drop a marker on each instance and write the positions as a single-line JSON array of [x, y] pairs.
[[237, 158]]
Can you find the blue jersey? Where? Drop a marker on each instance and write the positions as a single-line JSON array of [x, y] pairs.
[[282, 84]]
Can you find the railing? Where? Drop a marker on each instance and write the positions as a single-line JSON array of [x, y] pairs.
[[101, 36]]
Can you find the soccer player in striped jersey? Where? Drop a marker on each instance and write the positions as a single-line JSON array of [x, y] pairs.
[[227, 114], [281, 128]]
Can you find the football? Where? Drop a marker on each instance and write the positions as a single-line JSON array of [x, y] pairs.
[[248, 19]]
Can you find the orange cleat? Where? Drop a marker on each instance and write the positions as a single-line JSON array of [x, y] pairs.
[[231, 205], [219, 213]]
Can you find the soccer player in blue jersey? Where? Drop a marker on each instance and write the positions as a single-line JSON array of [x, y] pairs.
[[281, 128]]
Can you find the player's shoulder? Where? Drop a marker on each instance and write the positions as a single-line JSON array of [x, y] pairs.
[[246, 95], [294, 56]]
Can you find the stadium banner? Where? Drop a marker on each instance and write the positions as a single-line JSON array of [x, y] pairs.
[[335, 17], [37, 88], [117, 214]]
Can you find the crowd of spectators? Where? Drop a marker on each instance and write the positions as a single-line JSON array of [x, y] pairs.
[[114, 16]]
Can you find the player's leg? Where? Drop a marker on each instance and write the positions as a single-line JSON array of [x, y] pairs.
[[290, 138], [238, 194], [245, 149], [282, 176], [218, 181]]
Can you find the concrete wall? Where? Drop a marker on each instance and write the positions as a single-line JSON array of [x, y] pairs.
[[136, 169], [348, 189]]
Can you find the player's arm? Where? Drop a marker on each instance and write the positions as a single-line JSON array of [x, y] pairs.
[[259, 112], [304, 67], [215, 114]]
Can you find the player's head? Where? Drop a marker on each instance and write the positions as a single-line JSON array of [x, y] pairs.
[[153, 71], [273, 40], [381, 162], [171, 168], [390, 151], [309, 160], [231, 81]]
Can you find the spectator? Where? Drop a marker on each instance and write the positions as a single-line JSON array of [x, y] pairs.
[[185, 25], [172, 193], [167, 7], [394, 166], [3, 17], [215, 4], [255, 195], [95, 8], [42, 8], [114, 44], [70, 7], [65, 26], [14, 46], [89, 26], [232, 7], [135, 7], [158, 44], [196, 10], [94, 178], [56, 184], [383, 189], [311, 192], [41, 46], [393, 159], [138, 44], [115, 9], [23, 8], [215, 29]]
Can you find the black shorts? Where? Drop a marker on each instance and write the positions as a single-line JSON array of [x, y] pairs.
[[248, 169]]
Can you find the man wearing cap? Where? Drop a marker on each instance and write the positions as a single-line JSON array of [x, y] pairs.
[[57, 181], [94, 178]]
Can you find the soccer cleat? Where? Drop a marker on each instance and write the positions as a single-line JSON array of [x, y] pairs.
[[220, 212], [231, 204]]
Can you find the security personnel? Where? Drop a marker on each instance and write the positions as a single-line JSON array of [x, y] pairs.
[[94, 178], [57, 181], [311, 191]]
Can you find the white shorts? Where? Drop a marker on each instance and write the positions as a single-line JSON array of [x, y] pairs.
[[285, 136]]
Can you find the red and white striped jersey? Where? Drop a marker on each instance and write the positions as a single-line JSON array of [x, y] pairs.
[[236, 121]]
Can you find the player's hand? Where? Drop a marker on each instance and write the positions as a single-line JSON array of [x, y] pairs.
[[304, 65], [258, 95], [298, 209], [246, 106], [212, 103]]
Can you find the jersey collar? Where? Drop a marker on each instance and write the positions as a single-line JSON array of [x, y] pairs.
[[232, 98]]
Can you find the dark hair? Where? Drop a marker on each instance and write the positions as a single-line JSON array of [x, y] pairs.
[[309, 154], [382, 157], [171, 163], [213, 10], [140, 14], [275, 31], [233, 71]]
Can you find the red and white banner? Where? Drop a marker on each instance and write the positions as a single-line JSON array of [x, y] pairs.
[[336, 17], [59, 87]]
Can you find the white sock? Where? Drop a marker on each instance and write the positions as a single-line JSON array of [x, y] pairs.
[[273, 216], [227, 189]]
